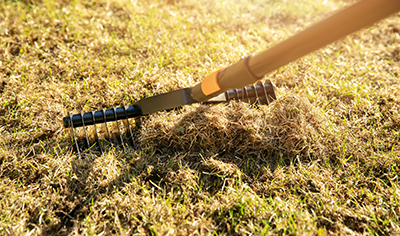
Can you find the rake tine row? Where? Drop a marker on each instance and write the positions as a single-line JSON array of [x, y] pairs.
[[84, 125]]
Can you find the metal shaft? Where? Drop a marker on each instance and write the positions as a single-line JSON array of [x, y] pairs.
[[99, 116]]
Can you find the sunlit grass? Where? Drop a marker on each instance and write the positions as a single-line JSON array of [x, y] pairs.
[[322, 159]]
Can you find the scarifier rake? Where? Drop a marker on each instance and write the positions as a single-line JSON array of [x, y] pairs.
[[259, 94], [248, 70]]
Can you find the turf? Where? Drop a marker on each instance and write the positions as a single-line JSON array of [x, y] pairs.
[[321, 160]]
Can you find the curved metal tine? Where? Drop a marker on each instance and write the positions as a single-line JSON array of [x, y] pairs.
[[228, 98], [272, 96], [119, 131], [84, 129], [73, 134], [138, 122], [105, 122], [263, 94], [129, 127], [247, 95], [237, 94], [97, 134], [266, 94], [257, 97]]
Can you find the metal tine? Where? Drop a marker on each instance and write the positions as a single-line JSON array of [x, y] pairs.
[[84, 129], [129, 127], [138, 122], [73, 134], [105, 122], [247, 95], [97, 134], [265, 93], [272, 96], [237, 94], [257, 97], [119, 131], [228, 97]]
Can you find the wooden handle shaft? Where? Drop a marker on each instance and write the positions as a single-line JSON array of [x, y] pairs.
[[353, 18]]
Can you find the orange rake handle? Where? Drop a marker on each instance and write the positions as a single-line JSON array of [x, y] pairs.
[[253, 68]]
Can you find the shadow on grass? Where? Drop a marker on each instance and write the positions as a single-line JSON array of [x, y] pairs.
[[205, 152]]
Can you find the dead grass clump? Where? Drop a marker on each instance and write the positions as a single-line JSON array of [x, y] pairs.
[[291, 127], [301, 129], [202, 129]]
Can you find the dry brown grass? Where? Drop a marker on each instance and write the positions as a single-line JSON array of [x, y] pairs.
[[322, 159]]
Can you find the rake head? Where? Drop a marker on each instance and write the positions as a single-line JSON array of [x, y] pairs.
[[259, 94]]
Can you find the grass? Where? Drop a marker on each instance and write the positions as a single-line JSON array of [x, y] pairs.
[[322, 159]]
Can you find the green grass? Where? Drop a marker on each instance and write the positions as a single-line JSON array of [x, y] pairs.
[[322, 159]]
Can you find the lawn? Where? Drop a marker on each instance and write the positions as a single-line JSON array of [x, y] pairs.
[[323, 159]]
